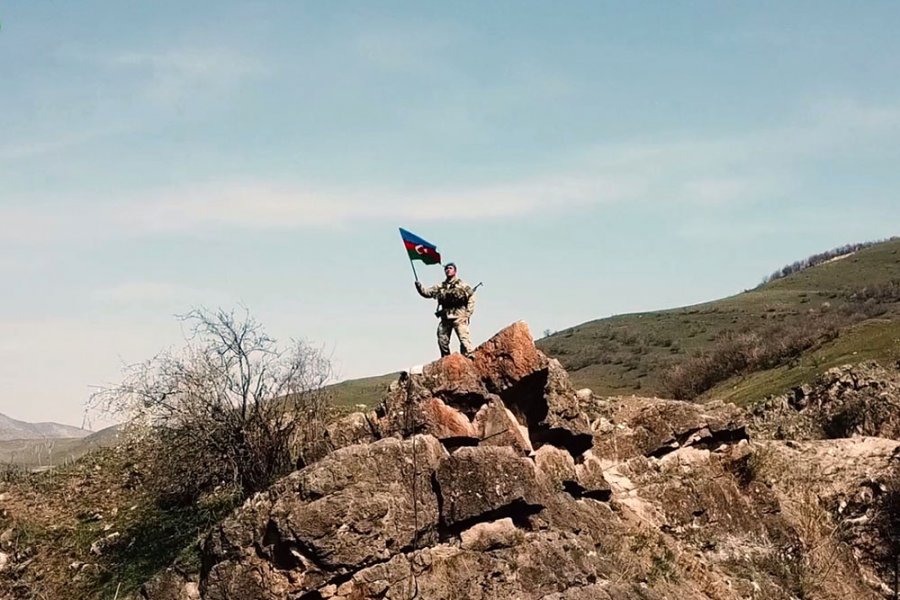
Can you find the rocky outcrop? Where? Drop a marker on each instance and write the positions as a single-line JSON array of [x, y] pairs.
[[508, 388], [653, 427], [491, 478], [358, 507], [853, 400]]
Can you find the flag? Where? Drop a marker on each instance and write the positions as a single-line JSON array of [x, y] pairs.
[[419, 249]]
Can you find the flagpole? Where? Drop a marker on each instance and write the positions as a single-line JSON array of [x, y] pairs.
[[416, 275]]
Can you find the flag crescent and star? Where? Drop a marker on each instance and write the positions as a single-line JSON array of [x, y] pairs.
[[419, 249]]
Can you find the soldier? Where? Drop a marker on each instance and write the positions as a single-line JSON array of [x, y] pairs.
[[456, 303]]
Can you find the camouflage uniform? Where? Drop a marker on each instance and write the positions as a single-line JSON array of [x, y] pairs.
[[456, 302]]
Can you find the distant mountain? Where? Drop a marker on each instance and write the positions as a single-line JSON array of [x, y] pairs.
[[12, 429], [46, 452]]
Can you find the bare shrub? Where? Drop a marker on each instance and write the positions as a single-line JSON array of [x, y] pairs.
[[734, 353], [888, 291], [232, 408]]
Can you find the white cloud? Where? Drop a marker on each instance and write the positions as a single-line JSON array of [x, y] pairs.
[[168, 76], [712, 173], [262, 205]]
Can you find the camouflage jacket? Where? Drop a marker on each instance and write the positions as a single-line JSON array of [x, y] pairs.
[[455, 297]]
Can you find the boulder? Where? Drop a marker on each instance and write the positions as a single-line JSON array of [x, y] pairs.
[[653, 427], [355, 428], [555, 467], [483, 537], [495, 425], [509, 357], [506, 372], [357, 507], [539, 565], [589, 481], [487, 482], [445, 422]]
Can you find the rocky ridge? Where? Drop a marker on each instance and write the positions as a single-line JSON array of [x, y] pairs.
[[12, 429], [857, 400], [493, 478]]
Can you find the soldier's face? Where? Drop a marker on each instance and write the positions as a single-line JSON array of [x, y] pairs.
[[450, 272]]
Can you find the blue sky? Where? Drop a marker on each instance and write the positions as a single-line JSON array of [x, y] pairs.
[[581, 159]]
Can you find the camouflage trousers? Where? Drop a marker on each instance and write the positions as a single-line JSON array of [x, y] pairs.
[[461, 327]]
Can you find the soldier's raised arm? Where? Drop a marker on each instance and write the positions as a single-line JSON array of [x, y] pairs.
[[427, 292]]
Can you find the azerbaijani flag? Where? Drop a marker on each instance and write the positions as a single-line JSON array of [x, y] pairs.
[[419, 249]]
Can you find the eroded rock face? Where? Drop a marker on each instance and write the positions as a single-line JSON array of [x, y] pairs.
[[495, 425], [493, 479], [858, 400], [355, 508], [485, 483], [509, 391], [355, 428], [653, 427]]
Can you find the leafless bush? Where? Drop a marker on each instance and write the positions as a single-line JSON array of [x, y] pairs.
[[734, 353], [12, 473], [231, 408], [889, 291]]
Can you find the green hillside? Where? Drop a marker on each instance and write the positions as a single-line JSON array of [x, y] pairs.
[[844, 310], [367, 391], [848, 308]]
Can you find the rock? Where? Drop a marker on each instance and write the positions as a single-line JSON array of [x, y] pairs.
[[589, 480], [171, 585], [597, 591], [99, 546], [495, 425], [355, 428], [7, 536], [456, 380], [482, 481], [555, 467], [508, 358], [541, 564], [654, 427], [506, 371], [446, 423], [852, 400], [4, 561], [356, 507], [493, 478], [483, 537]]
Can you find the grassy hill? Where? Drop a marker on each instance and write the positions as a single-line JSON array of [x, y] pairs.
[[367, 391], [854, 301], [841, 311]]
